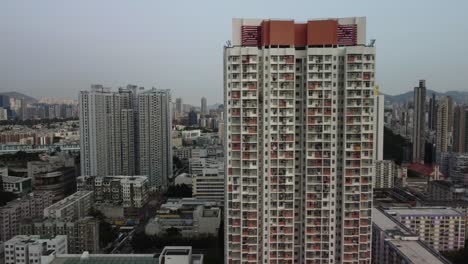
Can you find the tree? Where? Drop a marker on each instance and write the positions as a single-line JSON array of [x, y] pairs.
[[172, 232], [6, 197], [177, 162], [178, 191]]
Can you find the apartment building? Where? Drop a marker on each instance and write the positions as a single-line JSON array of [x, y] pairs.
[[107, 136], [126, 191], [440, 190], [18, 185], [443, 129], [441, 228], [299, 141], [460, 129], [386, 172], [155, 144], [31, 249], [29, 206], [72, 207], [392, 242], [419, 137], [82, 234]]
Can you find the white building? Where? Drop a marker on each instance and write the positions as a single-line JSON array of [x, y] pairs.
[[299, 141], [72, 207], [379, 109], [209, 185], [155, 145], [385, 173], [31, 249]]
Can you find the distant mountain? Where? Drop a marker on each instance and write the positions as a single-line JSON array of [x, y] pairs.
[[17, 95], [458, 96]]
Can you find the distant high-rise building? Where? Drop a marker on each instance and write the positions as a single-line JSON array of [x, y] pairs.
[[179, 106], [442, 128], [126, 133], [155, 140], [24, 110], [299, 141], [432, 113], [5, 105], [192, 118], [107, 132], [204, 108], [460, 129], [379, 108], [419, 129]]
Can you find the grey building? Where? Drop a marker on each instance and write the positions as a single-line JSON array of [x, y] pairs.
[[419, 128]]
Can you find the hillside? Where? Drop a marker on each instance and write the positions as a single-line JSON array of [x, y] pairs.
[[17, 95], [458, 96]]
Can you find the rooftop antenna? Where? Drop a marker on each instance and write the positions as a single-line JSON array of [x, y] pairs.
[[372, 43], [228, 44]]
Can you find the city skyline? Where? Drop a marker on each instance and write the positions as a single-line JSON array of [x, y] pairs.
[[117, 51]]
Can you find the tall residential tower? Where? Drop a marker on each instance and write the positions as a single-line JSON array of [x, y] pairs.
[[419, 135], [299, 141]]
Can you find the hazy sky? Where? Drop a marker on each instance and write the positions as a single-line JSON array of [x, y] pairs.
[[56, 48]]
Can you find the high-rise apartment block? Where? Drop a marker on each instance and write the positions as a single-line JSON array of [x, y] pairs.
[[460, 129], [154, 135], [419, 128], [299, 141], [385, 173], [126, 133], [444, 110]]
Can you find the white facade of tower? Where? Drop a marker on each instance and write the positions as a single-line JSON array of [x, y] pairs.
[[379, 108], [155, 144], [299, 153]]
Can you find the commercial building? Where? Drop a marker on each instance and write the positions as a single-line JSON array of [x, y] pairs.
[[72, 207], [33, 249], [191, 217], [82, 234], [299, 141], [209, 185], [56, 174], [18, 185], [126, 191], [386, 172], [460, 129], [155, 145], [392, 242], [441, 228], [419, 138], [29, 206]]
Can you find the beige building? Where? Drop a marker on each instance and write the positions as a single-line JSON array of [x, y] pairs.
[[72, 207]]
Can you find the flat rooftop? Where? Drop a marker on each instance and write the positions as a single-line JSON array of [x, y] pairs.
[[416, 252], [13, 179], [107, 259], [424, 211]]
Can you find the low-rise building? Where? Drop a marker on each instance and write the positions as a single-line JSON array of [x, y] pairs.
[[23, 249], [75, 206], [18, 185], [190, 216], [54, 173], [82, 234], [392, 242], [28, 206], [125, 191], [209, 185], [169, 255], [441, 228]]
